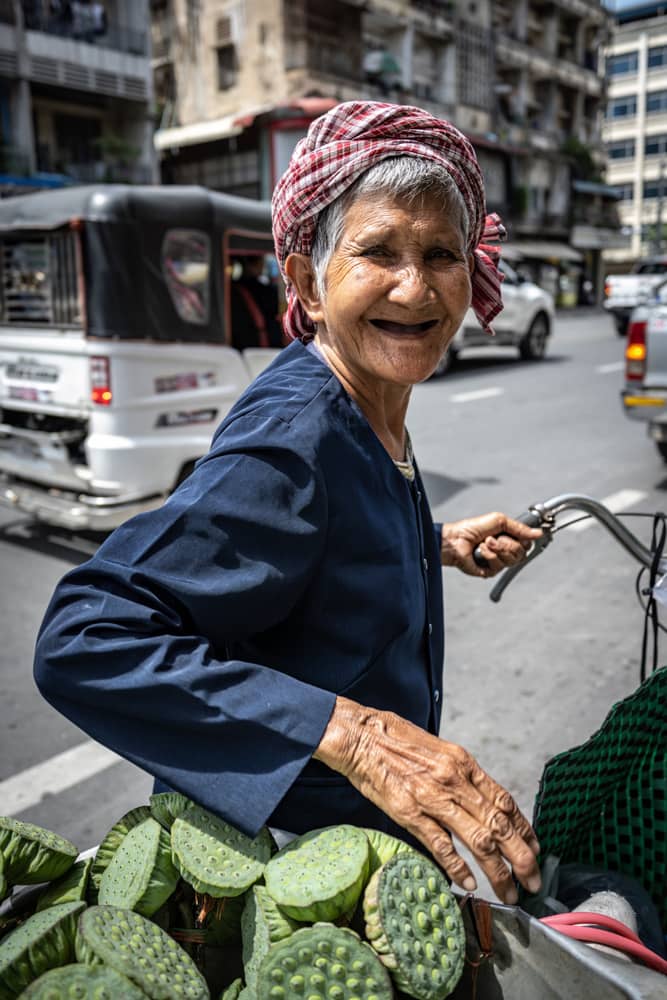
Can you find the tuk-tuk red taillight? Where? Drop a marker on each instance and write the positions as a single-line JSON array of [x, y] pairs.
[[100, 380], [635, 352]]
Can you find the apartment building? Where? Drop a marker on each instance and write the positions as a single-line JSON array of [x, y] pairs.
[[75, 93], [635, 129], [550, 89], [238, 81]]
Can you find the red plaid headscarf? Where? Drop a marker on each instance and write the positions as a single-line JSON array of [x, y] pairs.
[[344, 143]]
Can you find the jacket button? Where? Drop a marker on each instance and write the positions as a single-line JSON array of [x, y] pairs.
[[430, 629], [425, 564], [436, 696]]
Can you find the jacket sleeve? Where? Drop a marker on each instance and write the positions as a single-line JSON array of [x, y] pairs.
[[133, 647]]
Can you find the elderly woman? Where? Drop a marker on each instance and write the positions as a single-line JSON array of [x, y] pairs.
[[270, 641]]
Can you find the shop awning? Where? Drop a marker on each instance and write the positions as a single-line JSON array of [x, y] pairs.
[[229, 125], [539, 250]]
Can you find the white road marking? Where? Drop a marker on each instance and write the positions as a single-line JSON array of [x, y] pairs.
[[27, 789], [616, 503], [469, 397], [615, 366]]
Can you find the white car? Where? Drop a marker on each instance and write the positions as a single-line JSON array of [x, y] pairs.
[[526, 322]]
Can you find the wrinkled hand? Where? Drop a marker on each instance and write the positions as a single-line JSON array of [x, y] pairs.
[[433, 789], [460, 538]]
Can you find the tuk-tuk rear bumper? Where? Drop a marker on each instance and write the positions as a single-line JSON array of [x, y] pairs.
[[70, 510]]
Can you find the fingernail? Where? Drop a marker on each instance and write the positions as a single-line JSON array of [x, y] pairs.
[[534, 883], [511, 897], [469, 884]]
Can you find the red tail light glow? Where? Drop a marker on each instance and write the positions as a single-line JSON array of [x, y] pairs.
[[635, 352], [100, 381]]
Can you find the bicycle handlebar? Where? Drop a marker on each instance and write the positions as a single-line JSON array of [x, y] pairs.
[[543, 515]]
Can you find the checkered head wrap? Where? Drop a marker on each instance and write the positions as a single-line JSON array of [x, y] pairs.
[[339, 147]]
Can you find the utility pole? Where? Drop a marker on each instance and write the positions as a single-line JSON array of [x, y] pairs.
[[658, 221]]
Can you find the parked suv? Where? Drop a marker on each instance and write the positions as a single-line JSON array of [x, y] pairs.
[[525, 322]]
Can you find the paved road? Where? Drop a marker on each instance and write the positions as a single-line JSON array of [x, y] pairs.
[[524, 679]]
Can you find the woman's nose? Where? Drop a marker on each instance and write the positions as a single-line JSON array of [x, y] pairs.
[[411, 286]]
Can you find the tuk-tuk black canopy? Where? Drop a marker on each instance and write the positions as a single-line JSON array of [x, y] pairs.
[[124, 232]]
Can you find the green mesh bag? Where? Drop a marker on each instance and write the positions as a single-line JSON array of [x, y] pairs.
[[604, 803]]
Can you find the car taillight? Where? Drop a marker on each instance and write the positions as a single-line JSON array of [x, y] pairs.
[[607, 289], [635, 352], [100, 381]]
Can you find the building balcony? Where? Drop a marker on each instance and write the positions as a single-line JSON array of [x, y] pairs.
[[81, 26], [518, 55]]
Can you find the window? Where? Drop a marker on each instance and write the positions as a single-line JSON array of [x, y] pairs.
[[622, 107], [227, 65], [40, 280], [655, 145], [652, 188], [656, 101], [625, 62], [623, 149], [657, 56], [186, 259]]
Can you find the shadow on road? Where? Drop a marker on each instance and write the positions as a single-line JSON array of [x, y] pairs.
[[58, 543], [440, 488]]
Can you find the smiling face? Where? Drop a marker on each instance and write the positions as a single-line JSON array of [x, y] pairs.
[[397, 288]]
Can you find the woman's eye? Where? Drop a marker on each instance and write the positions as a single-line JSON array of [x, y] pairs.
[[440, 253], [376, 251]]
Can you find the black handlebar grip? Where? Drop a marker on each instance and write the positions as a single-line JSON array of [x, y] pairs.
[[530, 517]]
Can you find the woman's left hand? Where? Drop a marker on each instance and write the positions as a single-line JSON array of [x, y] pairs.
[[503, 542]]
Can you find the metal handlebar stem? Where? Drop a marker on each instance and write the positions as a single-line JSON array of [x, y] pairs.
[[543, 515]]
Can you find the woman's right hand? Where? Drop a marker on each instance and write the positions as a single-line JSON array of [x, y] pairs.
[[434, 789]]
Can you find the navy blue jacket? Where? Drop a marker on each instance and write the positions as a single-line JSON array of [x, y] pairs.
[[206, 641]]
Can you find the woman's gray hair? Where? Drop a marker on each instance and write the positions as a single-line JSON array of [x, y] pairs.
[[399, 177]]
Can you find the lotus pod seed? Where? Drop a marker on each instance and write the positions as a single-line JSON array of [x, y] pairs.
[[320, 875], [197, 835], [410, 948], [325, 972], [82, 982], [32, 854], [155, 976]]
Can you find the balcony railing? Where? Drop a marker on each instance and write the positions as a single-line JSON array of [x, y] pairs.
[[81, 26]]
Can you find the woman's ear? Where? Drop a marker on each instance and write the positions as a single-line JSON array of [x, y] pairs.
[[300, 271]]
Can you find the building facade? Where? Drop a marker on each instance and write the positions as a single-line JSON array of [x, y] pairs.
[[238, 81], [75, 93], [635, 130]]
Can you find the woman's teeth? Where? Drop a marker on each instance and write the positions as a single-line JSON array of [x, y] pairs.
[[409, 328]]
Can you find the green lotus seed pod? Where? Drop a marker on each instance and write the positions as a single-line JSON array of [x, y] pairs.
[[32, 854], [323, 961], [167, 806], [320, 875], [262, 925], [141, 874], [233, 991], [414, 923], [110, 844], [82, 982], [214, 857], [69, 888], [383, 847], [44, 941], [139, 950]]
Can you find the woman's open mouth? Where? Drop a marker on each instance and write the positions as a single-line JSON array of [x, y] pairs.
[[404, 329]]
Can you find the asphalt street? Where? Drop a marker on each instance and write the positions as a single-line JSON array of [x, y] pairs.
[[524, 679]]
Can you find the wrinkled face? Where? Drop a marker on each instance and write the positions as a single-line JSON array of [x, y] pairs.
[[397, 288]]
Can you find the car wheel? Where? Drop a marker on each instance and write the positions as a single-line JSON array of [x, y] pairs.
[[533, 345], [662, 448], [447, 361]]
